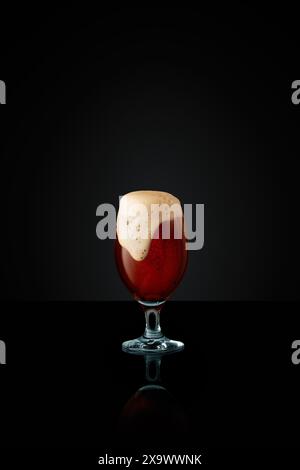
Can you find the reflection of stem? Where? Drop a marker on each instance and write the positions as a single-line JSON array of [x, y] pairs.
[[152, 368], [152, 330]]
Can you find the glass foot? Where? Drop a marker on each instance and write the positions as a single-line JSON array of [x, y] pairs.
[[144, 345]]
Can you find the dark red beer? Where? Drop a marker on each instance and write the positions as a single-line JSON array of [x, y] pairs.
[[156, 276]]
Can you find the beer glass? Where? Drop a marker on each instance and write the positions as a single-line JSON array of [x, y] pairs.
[[151, 258]]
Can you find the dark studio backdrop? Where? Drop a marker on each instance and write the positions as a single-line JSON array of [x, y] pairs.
[[103, 103], [171, 99]]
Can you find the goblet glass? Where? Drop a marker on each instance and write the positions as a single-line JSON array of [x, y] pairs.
[[151, 260]]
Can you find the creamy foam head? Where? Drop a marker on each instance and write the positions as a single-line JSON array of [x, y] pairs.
[[140, 214]]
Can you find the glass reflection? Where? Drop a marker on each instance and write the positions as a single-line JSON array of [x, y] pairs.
[[152, 416]]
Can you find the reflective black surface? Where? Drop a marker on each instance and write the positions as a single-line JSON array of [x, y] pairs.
[[67, 382]]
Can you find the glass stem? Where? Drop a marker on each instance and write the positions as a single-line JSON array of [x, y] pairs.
[[152, 330], [152, 374]]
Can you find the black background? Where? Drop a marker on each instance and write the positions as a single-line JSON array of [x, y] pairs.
[[103, 102]]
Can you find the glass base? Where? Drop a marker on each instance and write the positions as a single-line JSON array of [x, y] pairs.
[[144, 345]]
